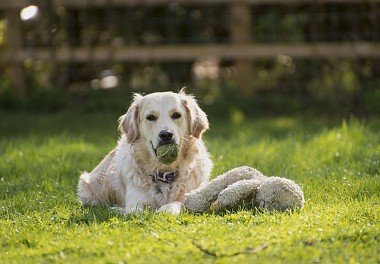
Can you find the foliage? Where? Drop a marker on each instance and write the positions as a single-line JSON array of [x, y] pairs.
[[336, 163], [281, 85], [275, 26], [2, 32], [334, 87], [372, 99]]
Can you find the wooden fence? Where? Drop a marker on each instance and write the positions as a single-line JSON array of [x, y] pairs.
[[240, 49]]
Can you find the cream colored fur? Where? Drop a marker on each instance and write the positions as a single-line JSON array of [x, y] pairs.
[[123, 178]]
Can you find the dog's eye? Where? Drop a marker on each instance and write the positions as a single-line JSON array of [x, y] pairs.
[[151, 118], [176, 115]]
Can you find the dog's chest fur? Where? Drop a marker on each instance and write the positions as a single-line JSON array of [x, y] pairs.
[[162, 192], [135, 167]]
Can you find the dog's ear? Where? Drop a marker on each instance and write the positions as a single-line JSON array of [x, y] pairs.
[[198, 122], [129, 123]]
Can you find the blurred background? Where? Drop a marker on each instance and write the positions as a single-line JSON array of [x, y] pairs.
[[239, 58]]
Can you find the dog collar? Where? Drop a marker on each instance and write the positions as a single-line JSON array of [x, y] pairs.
[[167, 177]]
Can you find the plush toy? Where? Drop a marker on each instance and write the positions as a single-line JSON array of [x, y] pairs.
[[245, 186]]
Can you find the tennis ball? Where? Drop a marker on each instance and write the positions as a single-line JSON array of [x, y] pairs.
[[167, 154]]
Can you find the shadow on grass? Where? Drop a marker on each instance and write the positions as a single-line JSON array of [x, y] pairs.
[[93, 214], [252, 210], [278, 128], [92, 126], [99, 214]]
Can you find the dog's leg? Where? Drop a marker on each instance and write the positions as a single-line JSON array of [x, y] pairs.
[[174, 208], [135, 200], [129, 210]]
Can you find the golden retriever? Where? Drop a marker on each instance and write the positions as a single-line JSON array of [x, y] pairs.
[[131, 177]]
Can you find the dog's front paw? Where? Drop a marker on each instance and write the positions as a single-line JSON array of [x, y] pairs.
[[129, 210], [174, 208]]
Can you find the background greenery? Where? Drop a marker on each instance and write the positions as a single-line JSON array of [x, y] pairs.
[[281, 85]]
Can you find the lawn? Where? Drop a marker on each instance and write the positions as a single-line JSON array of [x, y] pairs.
[[335, 161]]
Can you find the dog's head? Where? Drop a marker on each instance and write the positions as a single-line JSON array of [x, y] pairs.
[[162, 118]]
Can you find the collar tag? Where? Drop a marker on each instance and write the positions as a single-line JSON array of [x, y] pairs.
[[167, 177]]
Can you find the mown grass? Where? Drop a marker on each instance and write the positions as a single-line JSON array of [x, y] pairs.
[[335, 161]]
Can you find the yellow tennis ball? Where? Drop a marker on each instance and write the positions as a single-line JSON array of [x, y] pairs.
[[168, 153]]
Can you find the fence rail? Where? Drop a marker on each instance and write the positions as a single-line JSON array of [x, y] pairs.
[[84, 4], [193, 52], [240, 49]]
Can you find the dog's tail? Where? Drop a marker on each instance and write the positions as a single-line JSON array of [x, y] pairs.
[[93, 186]]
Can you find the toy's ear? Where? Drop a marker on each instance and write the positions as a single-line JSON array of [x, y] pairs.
[[198, 122], [129, 123]]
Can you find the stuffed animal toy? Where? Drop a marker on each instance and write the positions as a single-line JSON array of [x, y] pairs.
[[245, 186]]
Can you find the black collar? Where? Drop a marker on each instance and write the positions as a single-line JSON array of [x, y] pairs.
[[167, 177]]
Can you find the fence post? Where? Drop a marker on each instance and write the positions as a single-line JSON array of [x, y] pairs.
[[240, 29], [14, 42]]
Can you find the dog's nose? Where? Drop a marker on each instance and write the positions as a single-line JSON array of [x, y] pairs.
[[165, 135]]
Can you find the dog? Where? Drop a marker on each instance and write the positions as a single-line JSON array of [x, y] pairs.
[[131, 178]]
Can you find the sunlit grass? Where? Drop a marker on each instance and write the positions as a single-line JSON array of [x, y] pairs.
[[337, 164]]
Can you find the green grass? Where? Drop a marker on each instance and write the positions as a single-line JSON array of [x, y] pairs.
[[336, 162]]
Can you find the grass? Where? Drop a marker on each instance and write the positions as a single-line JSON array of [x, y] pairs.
[[336, 162]]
